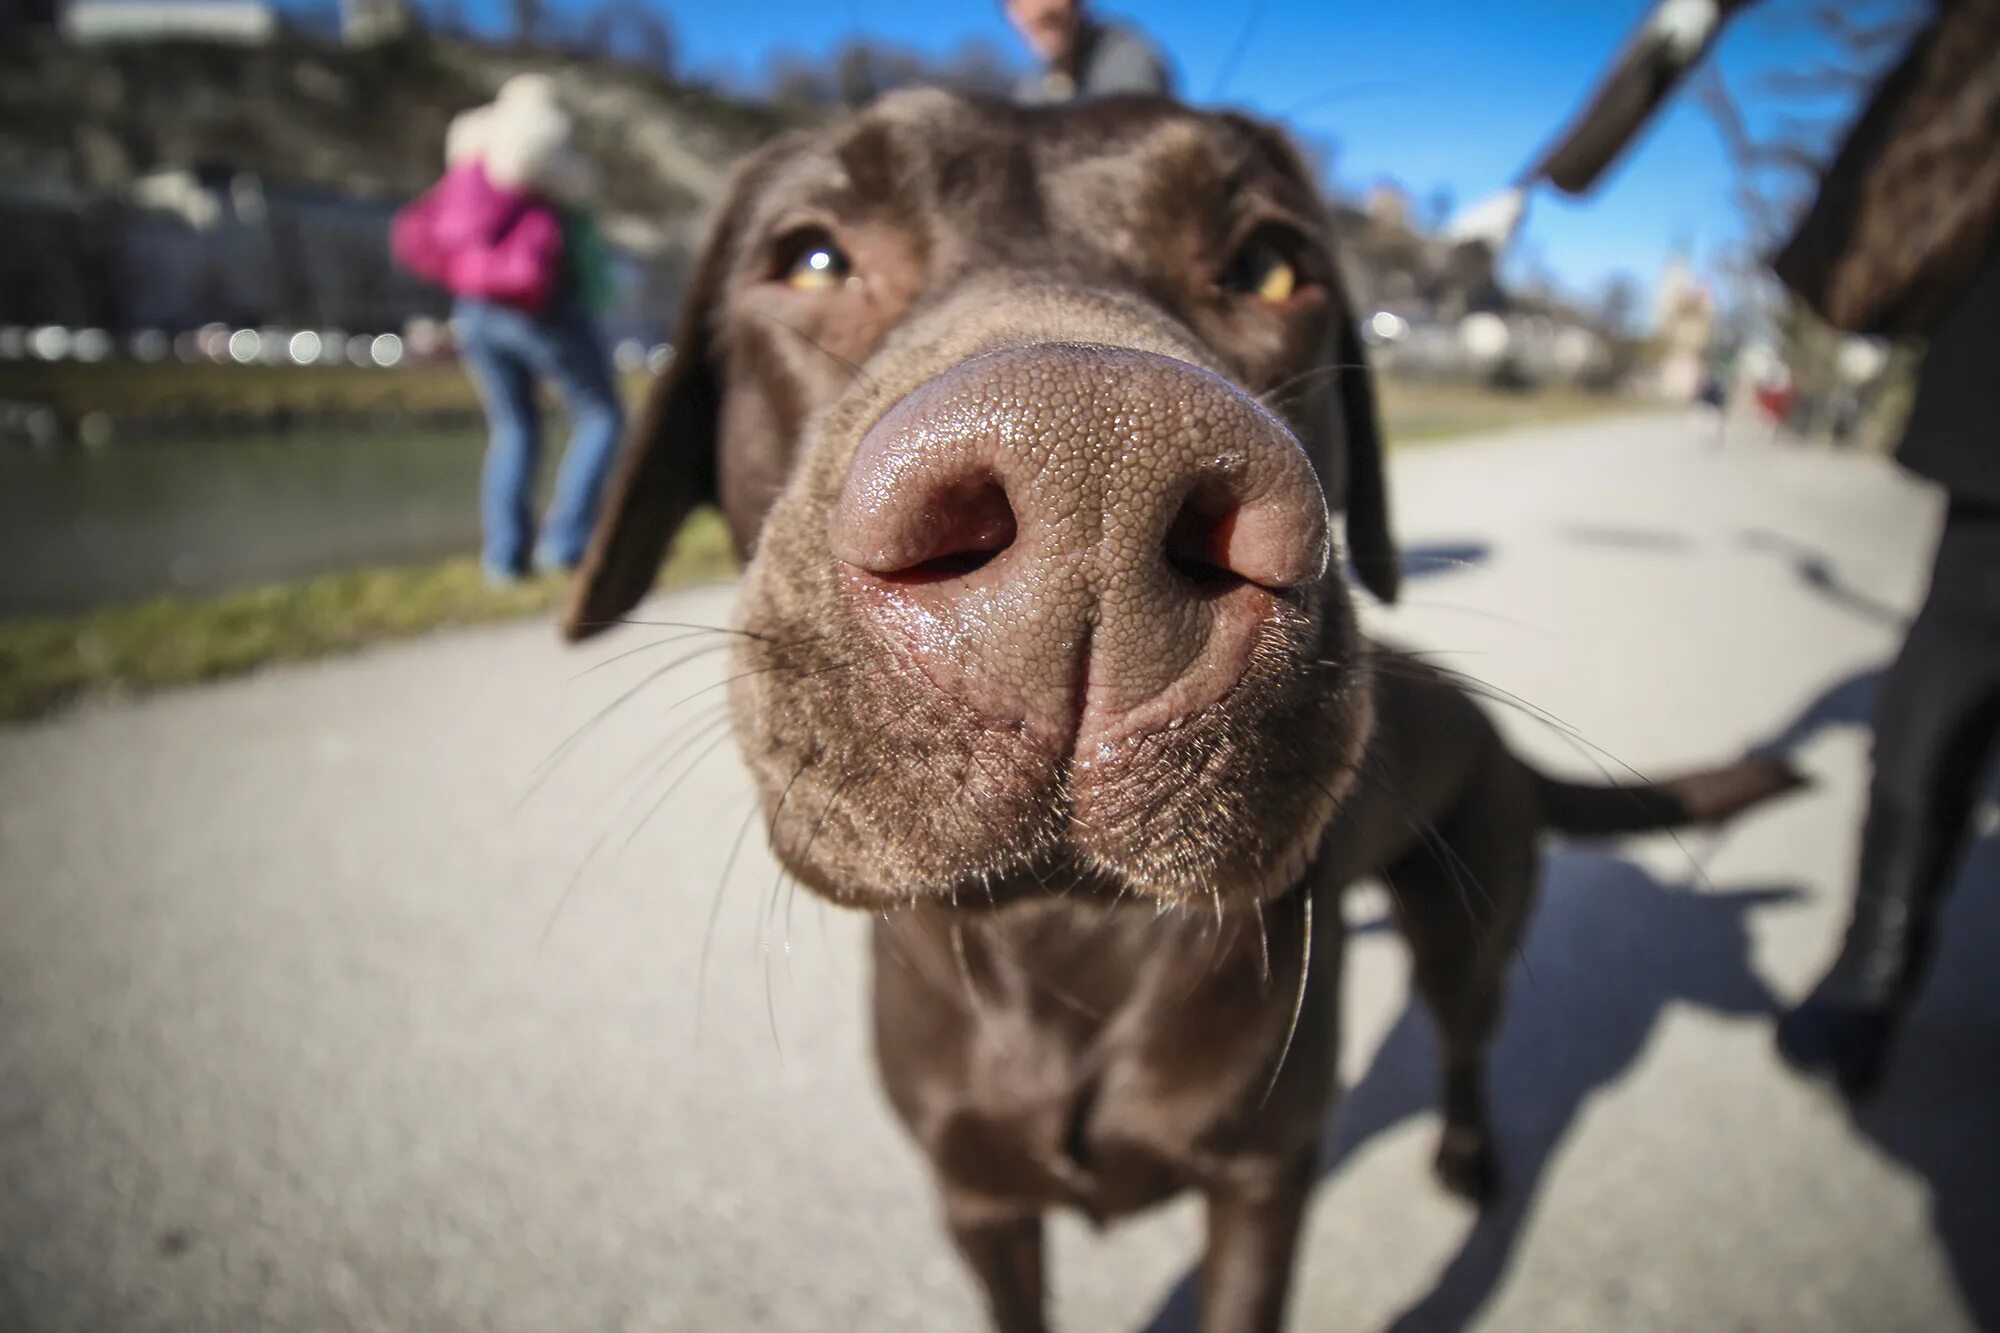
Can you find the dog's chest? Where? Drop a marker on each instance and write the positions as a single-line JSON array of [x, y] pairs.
[[1105, 1073], [1037, 1116]]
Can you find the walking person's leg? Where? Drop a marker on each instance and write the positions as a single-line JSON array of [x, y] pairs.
[[506, 384], [577, 361], [1935, 731]]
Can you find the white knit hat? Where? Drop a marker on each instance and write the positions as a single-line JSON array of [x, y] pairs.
[[523, 139]]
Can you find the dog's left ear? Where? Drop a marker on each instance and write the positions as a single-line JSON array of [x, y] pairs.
[[670, 468], [669, 471], [1371, 542]]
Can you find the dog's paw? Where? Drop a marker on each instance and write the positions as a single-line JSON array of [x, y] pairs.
[[1467, 1166]]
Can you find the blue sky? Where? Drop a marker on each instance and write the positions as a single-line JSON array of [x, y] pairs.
[[1455, 94]]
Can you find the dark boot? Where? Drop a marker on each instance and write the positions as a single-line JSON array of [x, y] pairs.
[[1847, 1047], [1846, 1029]]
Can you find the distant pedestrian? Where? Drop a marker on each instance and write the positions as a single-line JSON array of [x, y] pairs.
[[506, 233], [1713, 398], [1082, 56]]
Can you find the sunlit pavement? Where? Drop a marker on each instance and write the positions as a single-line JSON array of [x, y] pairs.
[[299, 1031]]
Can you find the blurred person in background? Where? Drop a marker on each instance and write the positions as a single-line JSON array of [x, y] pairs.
[[1713, 396], [1902, 240], [1082, 56], [1937, 720], [506, 232]]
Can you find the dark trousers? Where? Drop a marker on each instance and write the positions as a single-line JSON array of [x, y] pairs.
[[1935, 728]]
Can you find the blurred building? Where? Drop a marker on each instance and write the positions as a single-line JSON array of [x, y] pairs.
[[1684, 327], [1418, 275], [173, 185], [371, 22], [186, 247], [1388, 205], [1434, 306], [243, 22]]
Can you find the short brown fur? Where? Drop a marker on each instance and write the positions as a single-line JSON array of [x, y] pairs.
[[1092, 993]]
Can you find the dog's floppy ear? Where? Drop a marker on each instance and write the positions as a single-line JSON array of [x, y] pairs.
[[669, 465], [1371, 543], [1362, 488]]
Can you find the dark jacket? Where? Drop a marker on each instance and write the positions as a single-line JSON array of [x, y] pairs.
[[1110, 58], [1953, 436]]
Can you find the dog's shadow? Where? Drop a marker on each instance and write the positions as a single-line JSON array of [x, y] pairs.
[[1847, 702], [1609, 949]]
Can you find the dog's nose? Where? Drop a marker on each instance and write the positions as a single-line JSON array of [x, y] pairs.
[[1091, 541]]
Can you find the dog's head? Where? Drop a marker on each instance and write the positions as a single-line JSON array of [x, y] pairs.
[[1030, 421]]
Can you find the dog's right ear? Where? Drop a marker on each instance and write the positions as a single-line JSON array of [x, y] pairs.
[[669, 465], [1357, 483]]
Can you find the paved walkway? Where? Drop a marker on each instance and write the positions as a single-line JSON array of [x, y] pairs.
[[284, 1044]]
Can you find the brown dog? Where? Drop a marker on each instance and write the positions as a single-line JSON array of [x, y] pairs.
[[1032, 420]]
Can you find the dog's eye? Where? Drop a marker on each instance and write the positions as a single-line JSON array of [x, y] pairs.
[[811, 262], [1262, 269]]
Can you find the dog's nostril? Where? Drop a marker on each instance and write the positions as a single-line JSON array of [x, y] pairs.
[[939, 568], [959, 530], [1220, 538], [1197, 546]]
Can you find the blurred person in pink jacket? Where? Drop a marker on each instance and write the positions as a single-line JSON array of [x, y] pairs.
[[504, 232]]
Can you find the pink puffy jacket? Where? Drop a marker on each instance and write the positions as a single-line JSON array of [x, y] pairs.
[[475, 238]]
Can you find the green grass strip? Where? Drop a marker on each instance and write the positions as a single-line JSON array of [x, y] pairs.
[[45, 663]]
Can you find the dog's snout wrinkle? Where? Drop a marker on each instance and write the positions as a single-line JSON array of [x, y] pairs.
[[1084, 539]]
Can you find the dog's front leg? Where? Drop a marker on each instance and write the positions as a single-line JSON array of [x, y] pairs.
[[1253, 1232], [1004, 1250]]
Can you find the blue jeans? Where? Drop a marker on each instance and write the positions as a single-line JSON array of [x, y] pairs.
[[507, 351]]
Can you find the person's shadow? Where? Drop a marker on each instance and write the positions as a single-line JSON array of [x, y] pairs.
[[1608, 949], [1818, 573], [1429, 560]]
